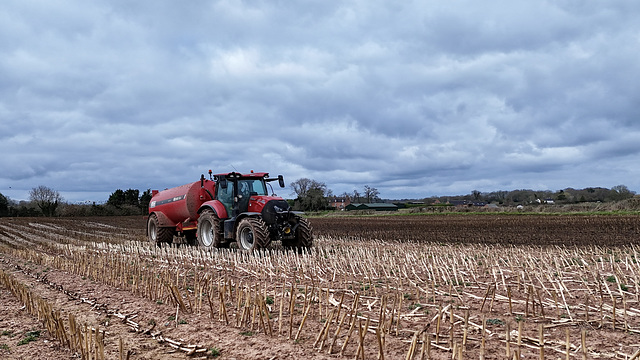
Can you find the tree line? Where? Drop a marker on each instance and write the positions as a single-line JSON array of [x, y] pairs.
[[528, 196], [310, 195], [45, 201]]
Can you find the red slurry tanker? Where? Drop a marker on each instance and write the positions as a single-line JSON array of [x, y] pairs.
[[225, 208]]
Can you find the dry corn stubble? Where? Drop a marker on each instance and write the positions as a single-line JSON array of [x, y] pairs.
[[398, 286]]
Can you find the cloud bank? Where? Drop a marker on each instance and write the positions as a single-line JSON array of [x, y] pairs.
[[414, 98]]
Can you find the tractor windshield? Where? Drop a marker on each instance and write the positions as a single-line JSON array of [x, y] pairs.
[[249, 187]]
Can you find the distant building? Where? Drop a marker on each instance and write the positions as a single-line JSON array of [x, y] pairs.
[[545, 201], [373, 206], [340, 203]]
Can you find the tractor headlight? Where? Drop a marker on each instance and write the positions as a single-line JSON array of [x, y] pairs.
[[287, 230]]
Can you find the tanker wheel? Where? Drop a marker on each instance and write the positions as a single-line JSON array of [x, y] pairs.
[[158, 234], [208, 233], [252, 234], [303, 238]]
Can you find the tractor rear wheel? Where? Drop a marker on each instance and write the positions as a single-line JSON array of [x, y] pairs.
[[156, 233], [252, 234], [304, 236], [208, 233]]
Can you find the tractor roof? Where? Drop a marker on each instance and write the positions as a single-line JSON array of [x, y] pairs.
[[250, 175]]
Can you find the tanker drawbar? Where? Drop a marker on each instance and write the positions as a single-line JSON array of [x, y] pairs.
[[224, 209]]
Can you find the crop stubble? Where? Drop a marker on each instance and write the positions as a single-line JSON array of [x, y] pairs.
[[412, 286]]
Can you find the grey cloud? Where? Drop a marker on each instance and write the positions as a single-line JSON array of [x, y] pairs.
[[413, 98]]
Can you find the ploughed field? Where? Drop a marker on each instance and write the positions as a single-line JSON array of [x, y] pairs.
[[395, 287]]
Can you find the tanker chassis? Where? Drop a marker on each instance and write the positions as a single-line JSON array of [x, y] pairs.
[[226, 208]]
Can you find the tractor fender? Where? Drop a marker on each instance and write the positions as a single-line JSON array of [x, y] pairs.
[[163, 220], [247, 214], [217, 208]]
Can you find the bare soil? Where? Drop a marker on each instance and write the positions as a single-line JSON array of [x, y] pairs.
[[459, 279]]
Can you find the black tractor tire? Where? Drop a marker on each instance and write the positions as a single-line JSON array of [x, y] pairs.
[[303, 236], [252, 234], [158, 234], [208, 233]]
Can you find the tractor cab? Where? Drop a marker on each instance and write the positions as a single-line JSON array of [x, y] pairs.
[[241, 193]]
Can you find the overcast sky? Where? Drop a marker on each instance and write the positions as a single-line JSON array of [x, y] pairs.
[[415, 98]]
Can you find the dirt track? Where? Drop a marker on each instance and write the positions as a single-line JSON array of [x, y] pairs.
[[447, 268]]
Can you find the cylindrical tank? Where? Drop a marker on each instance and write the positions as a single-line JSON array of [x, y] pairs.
[[181, 203]]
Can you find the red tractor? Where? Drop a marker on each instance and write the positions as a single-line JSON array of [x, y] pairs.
[[225, 208]]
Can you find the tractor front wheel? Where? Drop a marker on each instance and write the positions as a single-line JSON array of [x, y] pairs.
[[156, 233], [304, 236], [252, 234], [208, 233]]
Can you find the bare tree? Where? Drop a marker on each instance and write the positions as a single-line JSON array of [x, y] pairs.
[[356, 196], [46, 198], [621, 192], [301, 187], [371, 193], [311, 194]]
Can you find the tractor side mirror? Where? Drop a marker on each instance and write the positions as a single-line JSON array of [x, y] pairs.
[[223, 182], [281, 181]]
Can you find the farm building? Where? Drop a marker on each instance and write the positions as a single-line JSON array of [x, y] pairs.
[[373, 206], [339, 203]]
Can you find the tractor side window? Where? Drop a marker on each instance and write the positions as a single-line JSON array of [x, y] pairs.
[[226, 196], [259, 187]]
